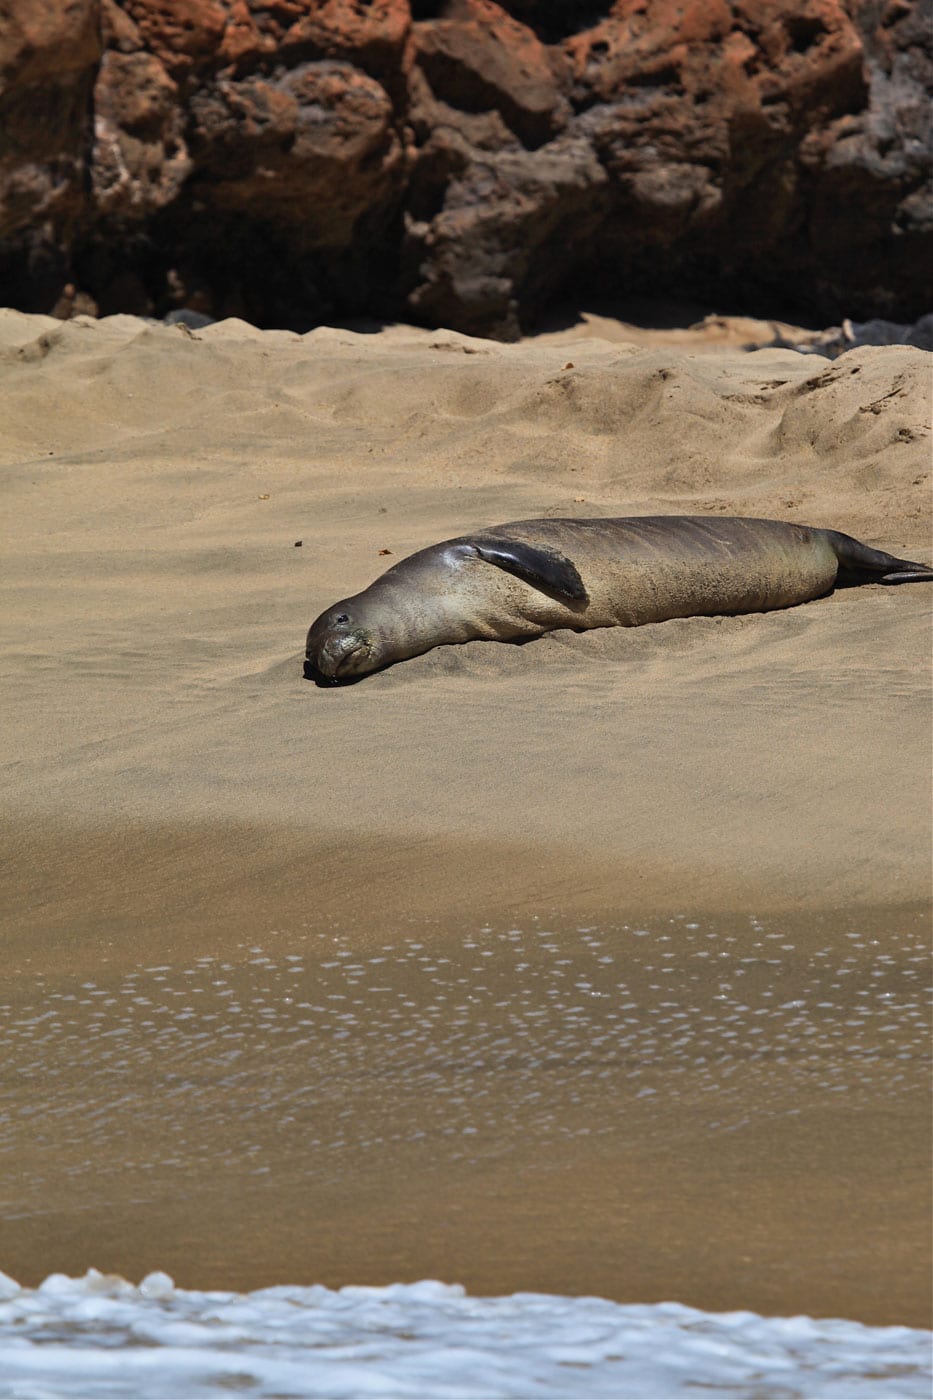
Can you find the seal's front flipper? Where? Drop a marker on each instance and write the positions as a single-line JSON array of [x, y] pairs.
[[542, 568]]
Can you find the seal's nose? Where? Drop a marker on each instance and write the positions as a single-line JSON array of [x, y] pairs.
[[312, 672]]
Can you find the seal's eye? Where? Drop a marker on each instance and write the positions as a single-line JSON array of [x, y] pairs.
[[342, 617]]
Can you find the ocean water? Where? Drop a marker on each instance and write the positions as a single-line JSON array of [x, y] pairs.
[[99, 1336]]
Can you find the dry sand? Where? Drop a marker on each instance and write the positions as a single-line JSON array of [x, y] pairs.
[[156, 484], [174, 789]]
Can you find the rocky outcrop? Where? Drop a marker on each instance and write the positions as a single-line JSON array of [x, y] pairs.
[[465, 163], [49, 55]]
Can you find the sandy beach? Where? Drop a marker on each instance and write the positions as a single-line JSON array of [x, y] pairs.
[[179, 506]]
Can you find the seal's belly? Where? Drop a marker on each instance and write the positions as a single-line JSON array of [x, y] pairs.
[[645, 570]]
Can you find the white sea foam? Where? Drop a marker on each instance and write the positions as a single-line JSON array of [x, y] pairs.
[[100, 1337]]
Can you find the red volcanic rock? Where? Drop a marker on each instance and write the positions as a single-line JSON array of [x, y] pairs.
[[481, 60], [191, 34], [179, 33], [45, 49], [140, 160], [314, 147], [371, 33], [465, 162], [508, 230]]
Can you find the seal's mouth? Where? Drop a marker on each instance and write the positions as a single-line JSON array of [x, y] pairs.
[[339, 659], [312, 673]]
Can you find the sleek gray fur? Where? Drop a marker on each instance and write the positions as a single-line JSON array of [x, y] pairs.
[[531, 576]]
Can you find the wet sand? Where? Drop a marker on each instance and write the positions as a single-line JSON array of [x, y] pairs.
[[732, 1112], [430, 1069]]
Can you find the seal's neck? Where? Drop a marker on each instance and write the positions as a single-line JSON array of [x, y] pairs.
[[405, 620]]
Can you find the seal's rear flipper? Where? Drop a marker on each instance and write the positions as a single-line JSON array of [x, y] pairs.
[[859, 563], [542, 568], [907, 576]]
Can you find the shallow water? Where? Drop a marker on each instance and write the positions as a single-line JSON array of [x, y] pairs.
[[728, 1113], [100, 1337]]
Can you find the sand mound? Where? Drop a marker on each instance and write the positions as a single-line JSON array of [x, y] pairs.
[[159, 480]]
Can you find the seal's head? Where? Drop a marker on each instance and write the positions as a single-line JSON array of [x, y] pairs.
[[339, 646]]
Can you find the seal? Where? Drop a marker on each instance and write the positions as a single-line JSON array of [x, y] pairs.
[[528, 577]]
